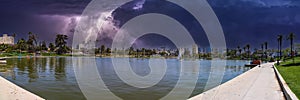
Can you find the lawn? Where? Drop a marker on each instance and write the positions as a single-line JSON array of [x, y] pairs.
[[291, 73]]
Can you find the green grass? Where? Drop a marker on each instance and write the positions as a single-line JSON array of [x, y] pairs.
[[13, 54], [291, 73], [29, 54]]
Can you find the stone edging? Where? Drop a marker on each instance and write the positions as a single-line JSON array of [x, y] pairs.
[[288, 94], [10, 91], [215, 89]]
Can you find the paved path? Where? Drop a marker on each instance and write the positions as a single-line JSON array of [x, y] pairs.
[[259, 83], [10, 91]]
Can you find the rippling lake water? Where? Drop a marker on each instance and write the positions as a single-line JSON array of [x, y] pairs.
[[53, 78]]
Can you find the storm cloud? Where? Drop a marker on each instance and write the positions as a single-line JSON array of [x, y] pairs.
[[243, 21]]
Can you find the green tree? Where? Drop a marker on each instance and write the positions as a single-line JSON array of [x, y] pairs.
[[143, 52], [248, 48], [21, 44], [43, 46], [266, 49], [291, 38], [266, 45], [3, 47], [102, 48], [51, 46], [131, 51], [97, 51], [61, 43], [9, 48], [240, 51], [31, 42], [279, 39], [108, 50]]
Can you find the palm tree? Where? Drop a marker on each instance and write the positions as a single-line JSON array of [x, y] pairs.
[[143, 52], [266, 48], [102, 48], [60, 43], [43, 46], [248, 48], [279, 39], [244, 48], [262, 50], [21, 44], [266, 45], [131, 50], [51, 47], [239, 49], [30, 42], [291, 38]]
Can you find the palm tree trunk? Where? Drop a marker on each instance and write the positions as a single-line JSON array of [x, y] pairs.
[[292, 54], [280, 46]]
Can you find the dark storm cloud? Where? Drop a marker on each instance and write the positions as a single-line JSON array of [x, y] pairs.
[[243, 21], [59, 7], [42, 17], [256, 21]]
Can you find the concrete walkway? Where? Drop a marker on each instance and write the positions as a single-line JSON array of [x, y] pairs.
[[10, 91], [259, 83]]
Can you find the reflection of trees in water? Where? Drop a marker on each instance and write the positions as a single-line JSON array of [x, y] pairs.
[[26, 65], [7, 70], [41, 64], [52, 63], [21, 63], [33, 66], [32, 69], [60, 73]]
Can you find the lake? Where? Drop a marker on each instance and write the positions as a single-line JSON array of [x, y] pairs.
[[53, 78]]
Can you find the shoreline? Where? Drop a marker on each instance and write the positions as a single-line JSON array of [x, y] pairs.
[[11, 91], [173, 57], [255, 84]]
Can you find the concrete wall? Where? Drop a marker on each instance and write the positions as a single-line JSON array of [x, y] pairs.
[[10, 91]]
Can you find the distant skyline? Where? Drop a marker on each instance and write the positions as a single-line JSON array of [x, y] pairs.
[[244, 21]]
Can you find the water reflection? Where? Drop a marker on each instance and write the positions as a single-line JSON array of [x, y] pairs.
[[60, 73], [50, 77], [32, 67], [53, 77]]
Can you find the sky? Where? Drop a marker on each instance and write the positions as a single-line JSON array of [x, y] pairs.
[[243, 21]]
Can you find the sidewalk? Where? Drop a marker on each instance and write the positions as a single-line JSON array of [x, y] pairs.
[[259, 83], [10, 91]]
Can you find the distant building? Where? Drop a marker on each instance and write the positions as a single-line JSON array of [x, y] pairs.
[[80, 46], [188, 52], [195, 49], [7, 39]]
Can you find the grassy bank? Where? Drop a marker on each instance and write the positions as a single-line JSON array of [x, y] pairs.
[[291, 73], [14, 54]]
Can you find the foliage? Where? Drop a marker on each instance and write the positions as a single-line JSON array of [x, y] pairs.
[[61, 44], [31, 42], [43, 46], [290, 73], [21, 44], [51, 46]]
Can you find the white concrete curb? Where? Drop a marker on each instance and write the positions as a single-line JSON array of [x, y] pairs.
[[288, 94], [209, 94], [10, 91]]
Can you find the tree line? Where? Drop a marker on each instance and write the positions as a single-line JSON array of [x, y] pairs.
[[262, 53], [32, 45]]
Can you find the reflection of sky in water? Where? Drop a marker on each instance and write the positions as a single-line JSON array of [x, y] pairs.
[[53, 78]]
